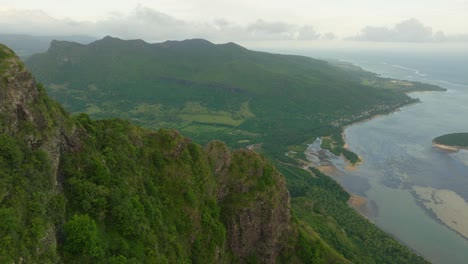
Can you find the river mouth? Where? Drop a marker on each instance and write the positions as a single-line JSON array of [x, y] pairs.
[[410, 189]]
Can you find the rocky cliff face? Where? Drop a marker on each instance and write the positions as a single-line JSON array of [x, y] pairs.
[[28, 113], [18, 93], [254, 201], [42, 132]]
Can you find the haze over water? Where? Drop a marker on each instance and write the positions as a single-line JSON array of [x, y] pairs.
[[398, 154]]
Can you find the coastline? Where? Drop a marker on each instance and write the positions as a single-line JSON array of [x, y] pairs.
[[377, 115], [350, 166], [331, 170]]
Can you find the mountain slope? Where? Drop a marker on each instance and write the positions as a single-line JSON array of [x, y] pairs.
[[211, 91], [75, 190]]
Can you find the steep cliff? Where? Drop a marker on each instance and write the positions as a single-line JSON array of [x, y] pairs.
[[254, 202], [35, 133], [27, 112]]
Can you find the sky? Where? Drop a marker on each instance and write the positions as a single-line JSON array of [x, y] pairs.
[[375, 21]]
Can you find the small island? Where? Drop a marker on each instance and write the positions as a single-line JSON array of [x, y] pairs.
[[452, 142]]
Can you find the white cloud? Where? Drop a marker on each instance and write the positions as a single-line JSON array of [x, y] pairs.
[[411, 30], [309, 33], [151, 25]]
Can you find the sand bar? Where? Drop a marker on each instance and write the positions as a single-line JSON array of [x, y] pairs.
[[447, 205]]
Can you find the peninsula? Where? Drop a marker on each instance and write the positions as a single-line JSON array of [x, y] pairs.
[[452, 142]]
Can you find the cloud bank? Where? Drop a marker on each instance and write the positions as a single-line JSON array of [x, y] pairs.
[[152, 25], [411, 30]]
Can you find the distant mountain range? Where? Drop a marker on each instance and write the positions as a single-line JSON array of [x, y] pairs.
[[27, 45]]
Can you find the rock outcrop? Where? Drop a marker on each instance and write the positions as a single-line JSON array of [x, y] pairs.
[[26, 111], [254, 202]]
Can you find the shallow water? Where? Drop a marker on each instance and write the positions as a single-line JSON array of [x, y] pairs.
[[398, 155]]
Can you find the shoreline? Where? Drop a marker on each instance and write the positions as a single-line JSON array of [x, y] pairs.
[[447, 147], [350, 166], [396, 108], [371, 117], [353, 167], [377, 115]]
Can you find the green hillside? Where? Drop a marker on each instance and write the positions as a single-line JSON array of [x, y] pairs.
[[209, 91], [75, 190]]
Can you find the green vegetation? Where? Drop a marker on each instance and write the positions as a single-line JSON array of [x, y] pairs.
[[77, 190], [4, 55], [453, 140], [151, 193], [232, 94]]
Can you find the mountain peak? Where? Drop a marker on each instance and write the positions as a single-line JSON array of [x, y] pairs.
[[60, 44], [232, 45], [114, 41], [197, 42], [109, 38], [7, 58]]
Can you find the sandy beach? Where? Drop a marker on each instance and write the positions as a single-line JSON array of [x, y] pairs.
[[357, 201], [327, 169], [445, 147]]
